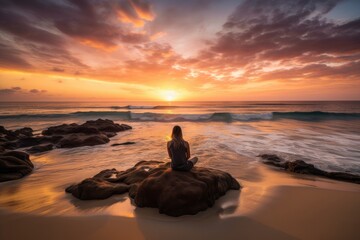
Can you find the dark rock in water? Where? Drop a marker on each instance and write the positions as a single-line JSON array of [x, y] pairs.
[[299, 166], [124, 143], [79, 140], [14, 165], [10, 135], [28, 141], [89, 127], [106, 125], [40, 148], [95, 188], [155, 184], [72, 135], [10, 145], [69, 129], [26, 131]]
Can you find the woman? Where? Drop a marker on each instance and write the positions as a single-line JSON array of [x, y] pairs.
[[179, 151]]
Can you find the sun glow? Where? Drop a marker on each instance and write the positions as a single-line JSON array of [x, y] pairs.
[[169, 95]]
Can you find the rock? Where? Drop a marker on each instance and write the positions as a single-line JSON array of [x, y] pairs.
[[96, 188], [107, 125], [26, 131], [72, 135], [3, 130], [40, 148], [300, 166], [89, 127], [69, 129], [78, 140], [28, 141], [13, 135], [124, 143], [14, 165], [155, 184]]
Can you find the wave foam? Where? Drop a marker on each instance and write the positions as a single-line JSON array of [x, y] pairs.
[[216, 116]]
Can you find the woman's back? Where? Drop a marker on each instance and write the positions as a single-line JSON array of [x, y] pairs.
[[178, 154]]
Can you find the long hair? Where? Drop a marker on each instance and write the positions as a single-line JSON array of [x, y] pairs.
[[177, 137]]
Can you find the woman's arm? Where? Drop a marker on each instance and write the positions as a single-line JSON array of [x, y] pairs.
[[168, 149], [188, 150]]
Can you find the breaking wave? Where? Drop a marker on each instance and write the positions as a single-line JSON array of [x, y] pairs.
[[203, 117]]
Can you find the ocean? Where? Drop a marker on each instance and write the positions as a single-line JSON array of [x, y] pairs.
[[224, 135]]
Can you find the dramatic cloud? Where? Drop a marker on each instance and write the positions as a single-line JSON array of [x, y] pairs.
[[195, 46], [277, 40], [43, 31]]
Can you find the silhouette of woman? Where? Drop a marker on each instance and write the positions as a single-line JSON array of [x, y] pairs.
[[179, 151]]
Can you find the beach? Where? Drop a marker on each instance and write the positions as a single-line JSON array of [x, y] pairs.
[[272, 203], [304, 209]]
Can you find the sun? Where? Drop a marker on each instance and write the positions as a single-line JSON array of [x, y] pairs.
[[169, 95]]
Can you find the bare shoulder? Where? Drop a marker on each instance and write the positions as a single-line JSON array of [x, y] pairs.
[[168, 143], [186, 144]]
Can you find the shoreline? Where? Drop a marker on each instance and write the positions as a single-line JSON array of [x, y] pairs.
[[278, 205]]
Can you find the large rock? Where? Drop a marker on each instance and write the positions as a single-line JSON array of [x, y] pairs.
[[88, 134], [14, 165], [154, 184], [89, 127], [9, 135], [79, 140], [72, 135], [299, 166], [40, 148]]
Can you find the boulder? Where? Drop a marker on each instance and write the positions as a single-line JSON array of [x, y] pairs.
[[40, 148], [154, 184], [89, 127], [300, 166], [14, 165], [72, 135], [79, 140], [26, 131], [10, 135]]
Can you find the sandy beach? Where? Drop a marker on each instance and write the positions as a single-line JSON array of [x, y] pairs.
[[304, 208]]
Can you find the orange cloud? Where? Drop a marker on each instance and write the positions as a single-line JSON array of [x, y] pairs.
[[127, 18], [143, 9], [99, 45]]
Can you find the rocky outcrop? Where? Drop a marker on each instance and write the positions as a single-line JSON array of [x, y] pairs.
[[14, 165], [8, 135], [154, 184], [72, 135], [299, 166], [40, 148]]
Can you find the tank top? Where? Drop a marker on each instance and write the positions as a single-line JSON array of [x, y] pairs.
[[178, 155]]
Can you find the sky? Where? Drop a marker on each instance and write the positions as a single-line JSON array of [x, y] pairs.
[[188, 50]]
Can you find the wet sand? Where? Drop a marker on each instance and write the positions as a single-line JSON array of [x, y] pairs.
[[276, 205]]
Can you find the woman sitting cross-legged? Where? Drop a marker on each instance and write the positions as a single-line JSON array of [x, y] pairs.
[[179, 151]]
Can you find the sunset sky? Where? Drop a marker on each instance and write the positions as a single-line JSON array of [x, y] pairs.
[[102, 50]]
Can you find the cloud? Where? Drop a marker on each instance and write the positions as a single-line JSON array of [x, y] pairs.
[[20, 26], [56, 69], [37, 91], [11, 58], [8, 91], [271, 40], [136, 12], [19, 91], [34, 91]]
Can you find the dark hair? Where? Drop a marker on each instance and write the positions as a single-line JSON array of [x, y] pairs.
[[177, 136]]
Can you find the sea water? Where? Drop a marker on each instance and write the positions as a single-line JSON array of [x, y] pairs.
[[224, 135]]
